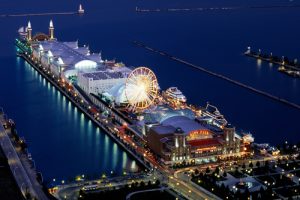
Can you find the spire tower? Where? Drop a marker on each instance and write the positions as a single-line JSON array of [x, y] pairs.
[[51, 30], [29, 31]]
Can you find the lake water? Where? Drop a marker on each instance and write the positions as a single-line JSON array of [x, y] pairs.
[[64, 143]]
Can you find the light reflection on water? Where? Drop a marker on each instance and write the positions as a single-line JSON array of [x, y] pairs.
[[72, 141]]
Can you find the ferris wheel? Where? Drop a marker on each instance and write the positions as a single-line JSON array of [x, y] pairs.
[[141, 88]]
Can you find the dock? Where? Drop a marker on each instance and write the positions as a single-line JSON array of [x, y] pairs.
[[220, 76], [291, 68]]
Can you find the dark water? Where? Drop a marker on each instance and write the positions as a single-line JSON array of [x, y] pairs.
[[65, 144]]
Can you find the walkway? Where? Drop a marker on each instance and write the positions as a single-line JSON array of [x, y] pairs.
[[25, 177]]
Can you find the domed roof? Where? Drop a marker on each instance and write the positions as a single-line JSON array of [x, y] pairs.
[[85, 64], [118, 93]]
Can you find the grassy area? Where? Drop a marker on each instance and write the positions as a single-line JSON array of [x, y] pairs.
[[237, 174], [289, 191], [276, 180], [290, 166], [259, 171]]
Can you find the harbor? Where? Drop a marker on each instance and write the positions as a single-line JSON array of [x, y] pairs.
[[286, 66]]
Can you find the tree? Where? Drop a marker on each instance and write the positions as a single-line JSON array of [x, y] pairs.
[[196, 171], [201, 175], [267, 164], [207, 170], [142, 184], [217, 170], [257, 164], [251, 165], [225, 174], [244, 166], [157, 182]]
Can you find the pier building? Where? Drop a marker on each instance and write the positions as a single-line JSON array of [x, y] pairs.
[[175, 131], [100, 81], [180, 139], [68, 60]]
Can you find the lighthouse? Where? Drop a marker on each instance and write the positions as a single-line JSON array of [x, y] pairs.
[[51, 30], [80, 10], [29, 31]]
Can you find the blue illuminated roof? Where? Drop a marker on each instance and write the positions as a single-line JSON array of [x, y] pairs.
[[161, 129], [186, 124]]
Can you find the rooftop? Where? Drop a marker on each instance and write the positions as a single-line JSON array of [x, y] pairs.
[[102, 75], [161, 129], [69, 52], [186, 124]]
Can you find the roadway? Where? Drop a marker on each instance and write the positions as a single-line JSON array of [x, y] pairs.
[[71, 191], [24, 176], [161, 189]]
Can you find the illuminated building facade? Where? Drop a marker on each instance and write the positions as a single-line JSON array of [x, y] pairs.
[[179, 139]]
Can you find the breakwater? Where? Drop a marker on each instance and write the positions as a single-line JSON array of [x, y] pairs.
[[220, 76], [38, 14], [287, 66], [206, 9]]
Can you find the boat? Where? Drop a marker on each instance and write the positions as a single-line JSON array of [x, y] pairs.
[[174, 94], [248, 138], [293, 73], [213, 112], [22, 32]]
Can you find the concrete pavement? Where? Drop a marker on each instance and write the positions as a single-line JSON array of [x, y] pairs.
[[26, 181]]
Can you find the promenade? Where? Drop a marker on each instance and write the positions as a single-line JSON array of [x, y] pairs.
[[23, 173]]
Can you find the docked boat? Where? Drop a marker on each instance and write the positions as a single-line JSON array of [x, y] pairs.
[[22, 32], [213, 112], [174, 94], [293, 73], [248, 138]]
